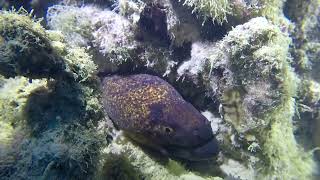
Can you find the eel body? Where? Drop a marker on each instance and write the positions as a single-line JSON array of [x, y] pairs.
[[150, 111]]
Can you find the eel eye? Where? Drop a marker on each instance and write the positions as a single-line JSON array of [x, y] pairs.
[[168, 130]]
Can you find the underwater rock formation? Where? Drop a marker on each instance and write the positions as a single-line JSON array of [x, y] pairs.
[[25, 48], [140, 164], [110, 39], [305, 52], [250, 70], [52, 123], [28, 50], [264, 84]]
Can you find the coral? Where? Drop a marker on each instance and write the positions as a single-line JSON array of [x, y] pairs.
[[177, 24], [110, 33], [199, 59], [50, 125], [115, 38], [42, 54], [14, 97], [103, 3], [246, 46], [275, 150], [130, 9]]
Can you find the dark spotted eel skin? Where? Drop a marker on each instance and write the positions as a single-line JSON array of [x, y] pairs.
[[151, 112]]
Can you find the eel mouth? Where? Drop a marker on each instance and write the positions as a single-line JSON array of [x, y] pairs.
[[206, 151]]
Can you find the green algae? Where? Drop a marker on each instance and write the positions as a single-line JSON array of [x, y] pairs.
[[257, 96], [141, 163], [20, 33], [283, 157], [259, 130], [215, 10], [53, 120]]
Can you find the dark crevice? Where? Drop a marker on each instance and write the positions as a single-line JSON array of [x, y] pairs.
[[212, 31], [153, 24], [180, 54], [209, 30]]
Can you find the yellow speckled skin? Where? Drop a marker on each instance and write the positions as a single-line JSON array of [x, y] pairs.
[[148, 107]]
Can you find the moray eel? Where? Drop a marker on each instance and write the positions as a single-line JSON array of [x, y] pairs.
[[151, 112]]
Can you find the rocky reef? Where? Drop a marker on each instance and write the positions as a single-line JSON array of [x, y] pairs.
[[251, 68]]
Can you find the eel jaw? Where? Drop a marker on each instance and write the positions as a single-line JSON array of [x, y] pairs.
[[206, 151]]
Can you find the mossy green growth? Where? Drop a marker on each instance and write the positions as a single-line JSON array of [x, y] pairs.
[[258, 56], [285, 159], [58, 117], [53, 123], [306, 19], [73, 22], [80, 64], [6, 135], [272, 9], [36, 57], [141, 163], [306, 50], [309, 92], [216, 10], [118, 167], [256, 52], [42, 54], [13, 98]]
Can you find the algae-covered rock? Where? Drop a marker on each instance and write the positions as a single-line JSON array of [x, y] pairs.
[[52, 125], [13, 98], [217, 10], [246, 60], [25, 48], [110, 38], [306, 35], [138, 161], [250, 70], [305, 51]]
